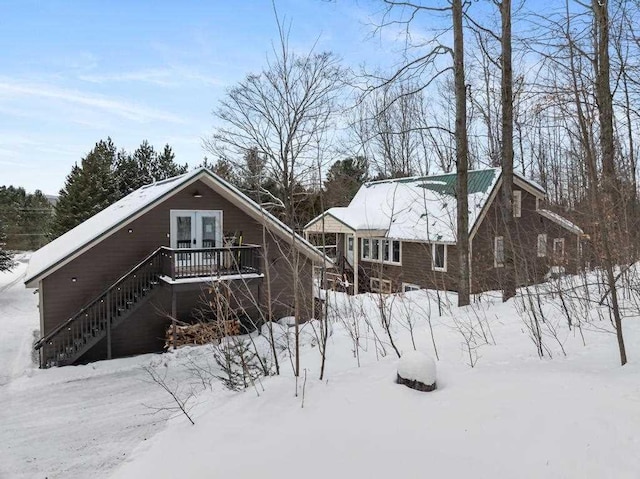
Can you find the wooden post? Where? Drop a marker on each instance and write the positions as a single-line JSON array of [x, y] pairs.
[[173, 318], [109, 314], [356, 258], [172, 265]]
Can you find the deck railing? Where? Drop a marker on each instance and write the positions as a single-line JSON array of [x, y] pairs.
[[207, 262], [71, 339]]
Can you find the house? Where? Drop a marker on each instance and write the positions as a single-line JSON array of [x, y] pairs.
[[400, 234], [111, 286]]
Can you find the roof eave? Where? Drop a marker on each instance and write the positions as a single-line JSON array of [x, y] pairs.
[[32, 281]]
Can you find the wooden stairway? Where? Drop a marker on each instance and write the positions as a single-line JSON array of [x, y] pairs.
[[78, 334]]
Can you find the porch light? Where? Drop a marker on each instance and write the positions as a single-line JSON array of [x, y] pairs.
[[73, 280], [197, 194]]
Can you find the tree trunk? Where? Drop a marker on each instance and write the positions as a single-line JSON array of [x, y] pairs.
[[609, 184], [509, 285], [461, 154]]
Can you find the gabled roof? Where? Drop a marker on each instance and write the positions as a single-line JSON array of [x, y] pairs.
[[420, 208], [64, 248], [478, 181], [417, 208]]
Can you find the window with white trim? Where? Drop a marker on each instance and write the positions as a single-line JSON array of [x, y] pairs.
[[406, 287], [376, 249], [365, 250], [439, 257], [558, 248], [517, 204], [378, 285], [542, 245], [391, 251], [498, 251]]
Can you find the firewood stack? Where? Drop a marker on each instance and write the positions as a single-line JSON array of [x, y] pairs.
[[201, 333]]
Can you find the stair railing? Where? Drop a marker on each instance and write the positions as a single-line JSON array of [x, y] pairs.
[[94, 319]]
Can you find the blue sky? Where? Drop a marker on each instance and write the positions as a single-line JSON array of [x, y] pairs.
[[74, 72]]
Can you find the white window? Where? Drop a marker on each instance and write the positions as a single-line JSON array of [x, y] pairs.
[[517, 204], [380, 285], [542, 245], [395, 251], [365, 250], [439, 257], [410, 287], [376, 249], [498, 251], [558, 248]]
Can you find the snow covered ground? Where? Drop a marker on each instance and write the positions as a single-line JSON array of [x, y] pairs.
[[75, 422], [511, 415]]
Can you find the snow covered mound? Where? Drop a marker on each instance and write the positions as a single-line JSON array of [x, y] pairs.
[[417, 370]]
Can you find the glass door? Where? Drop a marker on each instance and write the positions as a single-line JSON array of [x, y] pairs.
[[208, 230], [349, 248], [196, 230]]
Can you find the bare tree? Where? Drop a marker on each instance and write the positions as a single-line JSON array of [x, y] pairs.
[[284, 113], [428, 62]]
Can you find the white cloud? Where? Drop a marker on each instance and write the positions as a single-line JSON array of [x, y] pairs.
[[119, 108], [166, 77]]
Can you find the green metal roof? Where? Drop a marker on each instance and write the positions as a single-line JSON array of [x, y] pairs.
[[479, 181]]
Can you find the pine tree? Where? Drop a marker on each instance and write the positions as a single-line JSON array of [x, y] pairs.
[[127, 174], [224, 169], [25, 217], [166, 167], [145, 166], [6, 258], [145, 157], [106, 175], [88, 189], [344, 179]]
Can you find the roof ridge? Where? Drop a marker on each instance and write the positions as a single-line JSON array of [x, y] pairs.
[[423, 177]]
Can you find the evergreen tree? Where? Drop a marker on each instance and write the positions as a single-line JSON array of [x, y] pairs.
[[106, 175], [344, 179], [25, 218], [6, 258], [127, 174], [166, 167], [145, 166], [88, 189], [145, 158], [224, 169]]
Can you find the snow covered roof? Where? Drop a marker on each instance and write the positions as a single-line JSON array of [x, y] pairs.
[[562, 221], [86, 234], [416, 208]]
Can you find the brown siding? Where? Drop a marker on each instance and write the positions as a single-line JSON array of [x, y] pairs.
[[105, 262], [416, 268], [529, 268], [416, 257]]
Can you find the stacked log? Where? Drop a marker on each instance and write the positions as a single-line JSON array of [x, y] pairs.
[[201, 333]]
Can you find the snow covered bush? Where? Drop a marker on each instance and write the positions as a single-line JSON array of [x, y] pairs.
[[417, 371]]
